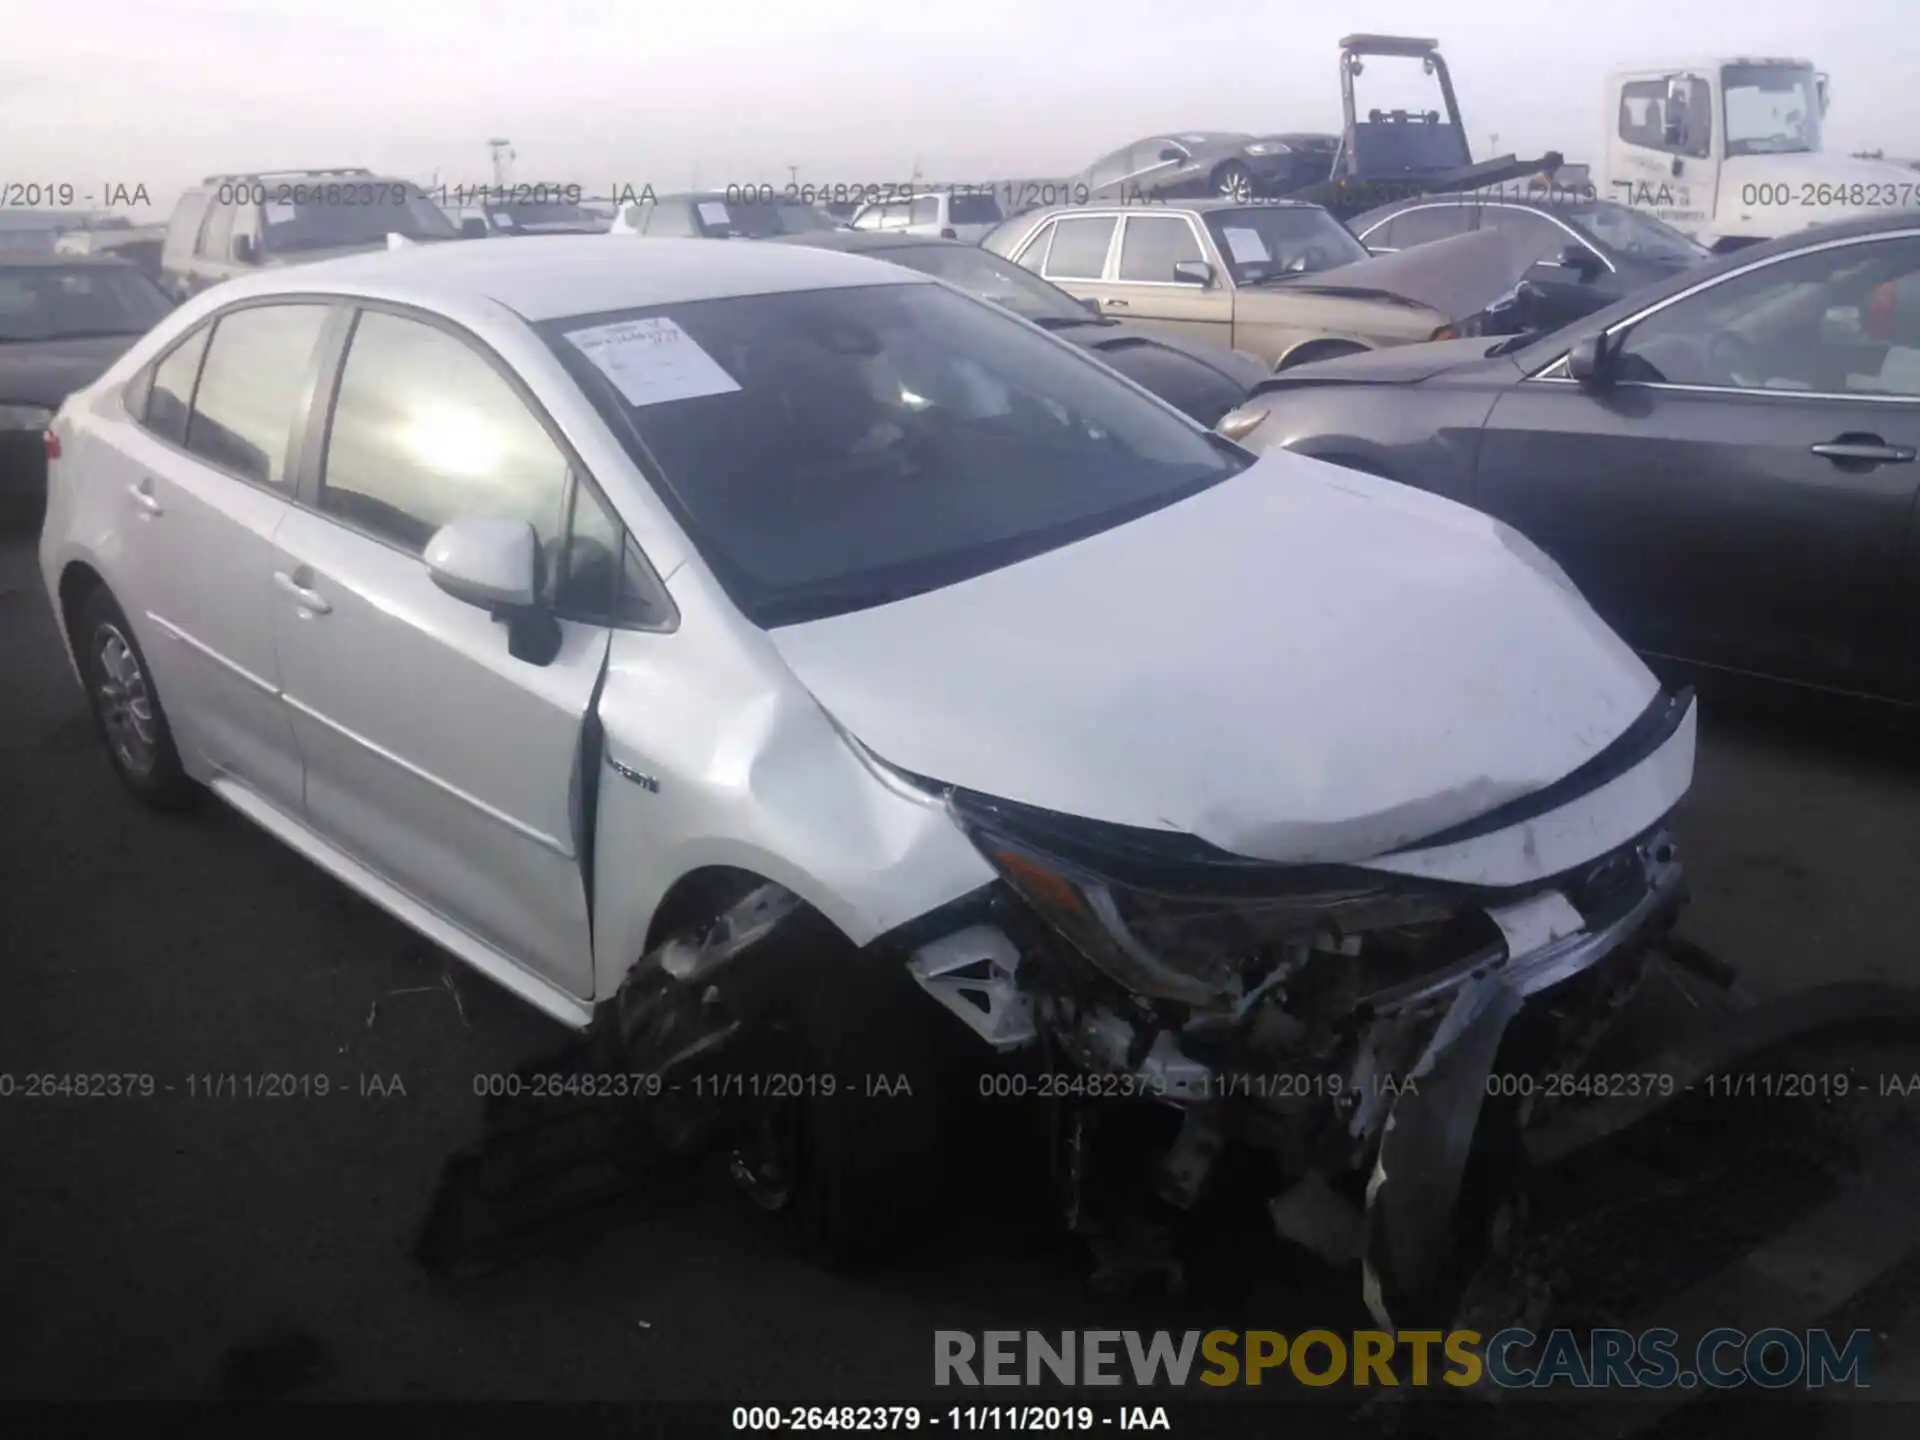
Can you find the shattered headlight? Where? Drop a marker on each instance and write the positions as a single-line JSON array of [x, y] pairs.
[[1198, 949]]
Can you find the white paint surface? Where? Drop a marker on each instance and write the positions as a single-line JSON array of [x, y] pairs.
[[1301, 664]]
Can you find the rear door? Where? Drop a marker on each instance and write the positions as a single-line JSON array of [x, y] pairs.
[[435, 758], [1744, 494], [1142, 285], [208, 485]]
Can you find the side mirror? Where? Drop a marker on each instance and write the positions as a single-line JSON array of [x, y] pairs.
[[1589, 361], [245, 251], [473, 228], [949, 233], [1820, 86], [1193, 272], [1092, 307], [495, 565], [1172, 154], [1580, 258]]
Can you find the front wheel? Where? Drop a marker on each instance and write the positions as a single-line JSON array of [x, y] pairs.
[[126, 707], [847, 1139]]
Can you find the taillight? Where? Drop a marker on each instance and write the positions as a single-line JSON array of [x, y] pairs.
[[52, 442], [1445, 332], [1881, 310]]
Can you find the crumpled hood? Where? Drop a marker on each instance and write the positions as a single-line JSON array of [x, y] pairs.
[[1455, 277], [1389, 365], [45, 372], [1302, 663]]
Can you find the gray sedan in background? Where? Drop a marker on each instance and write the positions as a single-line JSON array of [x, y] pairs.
[[1724, 463]]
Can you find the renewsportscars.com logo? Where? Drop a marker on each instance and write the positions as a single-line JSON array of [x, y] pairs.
[[1722, 1359]]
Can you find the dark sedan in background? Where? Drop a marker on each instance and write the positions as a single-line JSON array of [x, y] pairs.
[[1192, 164], [1724, 463], [1202, 379], [63, 320], [1579, 255]]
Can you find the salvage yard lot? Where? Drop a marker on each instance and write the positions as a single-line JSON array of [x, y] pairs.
[[172, 1245]]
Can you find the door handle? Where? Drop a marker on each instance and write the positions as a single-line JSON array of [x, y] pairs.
[[143, 496], [1865, 449], [309, 599], [1116, 304]]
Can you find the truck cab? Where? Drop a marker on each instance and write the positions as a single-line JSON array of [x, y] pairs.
[[1730, 151]]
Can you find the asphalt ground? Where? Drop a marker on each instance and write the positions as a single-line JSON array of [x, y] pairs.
[[190, 1245]]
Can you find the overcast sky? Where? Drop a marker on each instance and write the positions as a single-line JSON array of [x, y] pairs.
[[160, 92]]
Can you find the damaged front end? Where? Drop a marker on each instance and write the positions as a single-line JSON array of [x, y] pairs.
[[1347, 1022]]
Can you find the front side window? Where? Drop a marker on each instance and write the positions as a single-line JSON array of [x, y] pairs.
[[1799, 324], [868, 217], [77, 302], [1153, 244], [1535, 238], [1270, 242], [425, 431], [1642, 120], [832, 450], [252, 387], [1427, 223], [1080, 247], [170, 395], [926, 211], [978, 209]]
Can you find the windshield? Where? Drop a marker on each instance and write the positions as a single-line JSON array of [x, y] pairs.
[[358, 214], [759, 220], [61, 302], [829, 450], [981, 272], [1634, 232], [1267, 242], [535, 214], [1771, 109]]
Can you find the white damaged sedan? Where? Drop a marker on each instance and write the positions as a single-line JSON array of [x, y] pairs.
[[781, 664]]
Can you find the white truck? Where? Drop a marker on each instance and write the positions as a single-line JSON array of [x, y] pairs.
[[1730, 151]]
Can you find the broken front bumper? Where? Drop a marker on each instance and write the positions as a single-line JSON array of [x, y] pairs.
[[1395, 1085]]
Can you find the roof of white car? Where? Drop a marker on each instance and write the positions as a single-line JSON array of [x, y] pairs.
[[547, 277]]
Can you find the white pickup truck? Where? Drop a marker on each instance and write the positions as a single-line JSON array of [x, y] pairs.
[[1730, 151]]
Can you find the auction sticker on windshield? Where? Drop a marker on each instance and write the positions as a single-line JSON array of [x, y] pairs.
[[1247, 246], [652, 361], [713, 212], [278, 212]]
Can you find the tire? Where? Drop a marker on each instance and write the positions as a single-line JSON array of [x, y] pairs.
[[126, 707], [1233, 181], [865, 1165]]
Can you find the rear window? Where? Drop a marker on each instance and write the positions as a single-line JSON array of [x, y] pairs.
[[974, 210], [61, 302], [334, 216], [836, 449], [757, 221]]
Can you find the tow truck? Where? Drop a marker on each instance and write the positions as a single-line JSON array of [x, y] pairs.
[[1396, 154], [1730, 150]]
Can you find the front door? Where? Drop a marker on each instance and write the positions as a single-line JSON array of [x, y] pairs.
[[434, 757], [1743, 492]]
